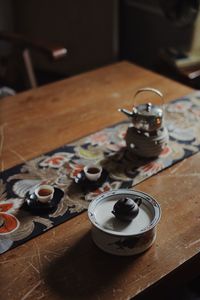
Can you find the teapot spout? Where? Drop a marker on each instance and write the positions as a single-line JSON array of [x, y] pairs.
[[126, 112]]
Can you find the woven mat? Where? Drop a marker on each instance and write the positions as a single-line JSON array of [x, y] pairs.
[[61, 166]]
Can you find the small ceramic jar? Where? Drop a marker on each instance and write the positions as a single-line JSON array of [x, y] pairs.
[[120, 237]]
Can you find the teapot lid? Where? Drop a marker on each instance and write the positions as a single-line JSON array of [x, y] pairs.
[[101, 216]]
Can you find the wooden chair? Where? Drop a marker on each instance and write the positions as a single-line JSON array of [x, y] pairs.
[[21, 48]]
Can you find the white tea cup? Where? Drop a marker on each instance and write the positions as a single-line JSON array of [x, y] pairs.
[[44, 193], [93, 172]]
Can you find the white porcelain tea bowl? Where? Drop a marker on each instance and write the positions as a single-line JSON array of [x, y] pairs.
[[44, 193], [92, 172]]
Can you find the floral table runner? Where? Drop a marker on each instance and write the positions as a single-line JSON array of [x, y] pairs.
[[61, 166]]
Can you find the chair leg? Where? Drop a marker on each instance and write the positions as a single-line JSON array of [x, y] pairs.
[[29, 68]]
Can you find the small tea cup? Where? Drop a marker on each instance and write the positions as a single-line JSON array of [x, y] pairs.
[[44, 193], [93, 172]]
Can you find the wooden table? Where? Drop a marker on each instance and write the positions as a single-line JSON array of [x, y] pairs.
[[64, 263]]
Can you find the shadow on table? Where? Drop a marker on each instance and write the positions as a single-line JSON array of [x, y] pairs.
[[124, 163], [86, 272]]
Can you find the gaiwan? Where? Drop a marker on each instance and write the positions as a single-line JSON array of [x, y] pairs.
[[124, 221]]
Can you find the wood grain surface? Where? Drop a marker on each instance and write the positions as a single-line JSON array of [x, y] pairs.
[[63, 263]]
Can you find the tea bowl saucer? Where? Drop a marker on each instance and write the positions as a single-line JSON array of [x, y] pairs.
[[35, 205]]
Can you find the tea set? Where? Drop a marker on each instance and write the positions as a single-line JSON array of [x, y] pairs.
[[123, 221], [46, 197]]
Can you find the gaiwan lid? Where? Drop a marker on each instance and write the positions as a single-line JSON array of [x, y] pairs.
[[100, 212]]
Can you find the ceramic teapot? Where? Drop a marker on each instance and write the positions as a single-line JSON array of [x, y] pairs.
[[146, 117], [126, 209]]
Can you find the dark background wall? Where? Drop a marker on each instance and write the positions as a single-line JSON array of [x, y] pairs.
[[95, 32], [98, 32], [6, 20], [88, 29], [145, 31]]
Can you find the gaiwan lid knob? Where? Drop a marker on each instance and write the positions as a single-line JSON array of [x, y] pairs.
[[126, 209]]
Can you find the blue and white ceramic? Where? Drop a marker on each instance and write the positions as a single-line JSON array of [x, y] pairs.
[[121, 237]]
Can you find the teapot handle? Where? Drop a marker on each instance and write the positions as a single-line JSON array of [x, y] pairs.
[[149, 89]]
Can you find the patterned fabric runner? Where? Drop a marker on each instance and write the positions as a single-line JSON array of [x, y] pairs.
[[61, 166]]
